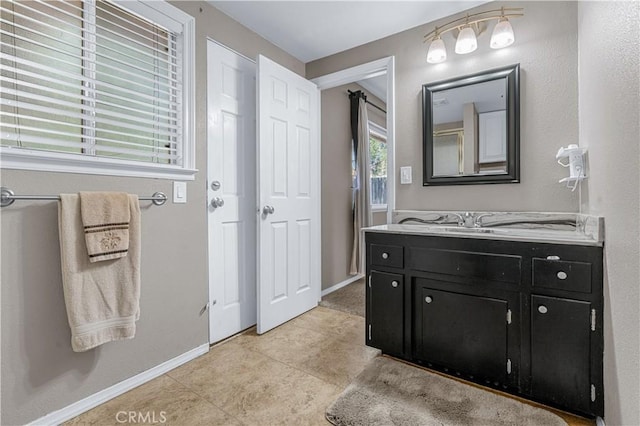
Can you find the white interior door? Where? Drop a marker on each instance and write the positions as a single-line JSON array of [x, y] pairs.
[[231, 101], [289, 195]]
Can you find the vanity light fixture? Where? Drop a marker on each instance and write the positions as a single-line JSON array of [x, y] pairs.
[[502, 35], [469, 27], [437, 52], [466, 42]]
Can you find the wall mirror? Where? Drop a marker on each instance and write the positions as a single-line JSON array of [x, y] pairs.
[[471, 129]]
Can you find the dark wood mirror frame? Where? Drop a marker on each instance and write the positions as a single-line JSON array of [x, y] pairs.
[[512, 76]]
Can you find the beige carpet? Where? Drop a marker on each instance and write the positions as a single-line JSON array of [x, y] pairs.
[[349, 299], [390, 392]]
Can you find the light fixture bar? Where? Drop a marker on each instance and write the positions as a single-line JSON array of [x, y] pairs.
[[474, 19]]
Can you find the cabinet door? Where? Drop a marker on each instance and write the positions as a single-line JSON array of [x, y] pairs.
[[561, 351], [492, 129], [463, 332], [385, 328]]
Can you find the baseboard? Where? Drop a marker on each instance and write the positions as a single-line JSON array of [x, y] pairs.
[[340, 285], [77, 408]]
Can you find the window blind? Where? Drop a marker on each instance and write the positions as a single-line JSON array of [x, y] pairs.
[[89, 78]]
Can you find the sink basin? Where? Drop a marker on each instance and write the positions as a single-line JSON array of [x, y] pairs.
[[468, 230]]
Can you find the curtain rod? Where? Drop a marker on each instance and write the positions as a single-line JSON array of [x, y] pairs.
[[363, 96], [7, 197]]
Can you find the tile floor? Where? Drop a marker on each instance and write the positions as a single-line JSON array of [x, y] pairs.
[[286, 376]]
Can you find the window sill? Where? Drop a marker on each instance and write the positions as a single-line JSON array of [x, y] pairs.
[[70, 163], [377, 208]]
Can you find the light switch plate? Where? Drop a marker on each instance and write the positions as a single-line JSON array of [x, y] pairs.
[[405, 175], [179, 192]]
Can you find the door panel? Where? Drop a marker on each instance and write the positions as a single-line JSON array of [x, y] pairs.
[[231, 162], [561, 351], [289, 195], [463, 332]]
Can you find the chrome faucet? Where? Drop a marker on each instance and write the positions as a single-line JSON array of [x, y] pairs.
[[466, 219]]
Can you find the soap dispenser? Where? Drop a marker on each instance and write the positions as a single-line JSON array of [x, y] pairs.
[[575, 163]]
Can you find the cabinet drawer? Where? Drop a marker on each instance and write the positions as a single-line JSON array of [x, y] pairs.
[[562, 275], [386, 255], [485, 266]]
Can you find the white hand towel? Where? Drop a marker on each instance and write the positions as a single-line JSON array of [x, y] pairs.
[[102, 298], [105, 217]]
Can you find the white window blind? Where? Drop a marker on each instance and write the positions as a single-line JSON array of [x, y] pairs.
[[94, 79]]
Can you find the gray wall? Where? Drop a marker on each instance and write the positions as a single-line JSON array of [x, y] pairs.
[[547, 50], [337, 222], [40, 373], [609, 41]]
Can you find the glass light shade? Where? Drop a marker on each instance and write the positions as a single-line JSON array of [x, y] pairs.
[[466, 42], [437, 52], [502, 35]]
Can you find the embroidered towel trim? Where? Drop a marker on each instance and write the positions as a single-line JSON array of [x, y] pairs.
[[102, 298], [105, 220]]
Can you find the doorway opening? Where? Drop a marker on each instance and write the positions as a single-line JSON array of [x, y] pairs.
[[376, 79]]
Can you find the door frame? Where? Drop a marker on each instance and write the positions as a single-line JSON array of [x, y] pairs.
[[361, 72]]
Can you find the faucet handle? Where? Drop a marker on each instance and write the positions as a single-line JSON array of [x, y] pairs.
[[478, 219]]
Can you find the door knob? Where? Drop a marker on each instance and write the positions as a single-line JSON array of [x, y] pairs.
[[268, 210], [217, 202]]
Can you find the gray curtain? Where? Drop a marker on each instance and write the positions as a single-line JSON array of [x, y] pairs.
[[362, 203]]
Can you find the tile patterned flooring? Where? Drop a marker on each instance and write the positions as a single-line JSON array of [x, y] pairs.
[[286, 376]]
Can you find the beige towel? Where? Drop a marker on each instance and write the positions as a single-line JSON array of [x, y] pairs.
[[102, 298], [105, 217]]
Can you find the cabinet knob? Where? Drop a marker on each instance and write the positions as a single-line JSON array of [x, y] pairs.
[[542, 309], [385, 255], [394, 284], [562, 275], [553, 257], [428, 299]]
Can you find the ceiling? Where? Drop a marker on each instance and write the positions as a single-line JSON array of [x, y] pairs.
[[486, 96], [310, 30]]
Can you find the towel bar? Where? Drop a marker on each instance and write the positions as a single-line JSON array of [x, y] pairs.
[[7, 197]]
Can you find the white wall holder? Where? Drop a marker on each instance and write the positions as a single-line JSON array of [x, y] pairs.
[[575, 162]]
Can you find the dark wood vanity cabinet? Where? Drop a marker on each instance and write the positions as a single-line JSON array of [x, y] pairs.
[[519, 316], [386, 307]]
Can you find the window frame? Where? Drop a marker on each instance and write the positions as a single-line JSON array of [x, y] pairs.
[[174, 19], [380, 134]]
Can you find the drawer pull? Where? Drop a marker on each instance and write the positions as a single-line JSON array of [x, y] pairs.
[[542, 309], [428, 299], [562, 275], [394, 284], [385, 255], [553, 257]]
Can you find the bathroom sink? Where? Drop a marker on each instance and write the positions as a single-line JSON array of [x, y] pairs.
[[467, 230]]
